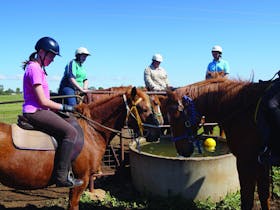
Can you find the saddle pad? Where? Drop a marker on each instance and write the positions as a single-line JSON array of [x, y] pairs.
[[32, 139]]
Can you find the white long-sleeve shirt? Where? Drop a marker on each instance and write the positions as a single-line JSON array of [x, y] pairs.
[[155, 79]]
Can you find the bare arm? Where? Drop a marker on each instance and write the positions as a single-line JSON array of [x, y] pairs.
[[86, 84], [82, 89], [39, 92]]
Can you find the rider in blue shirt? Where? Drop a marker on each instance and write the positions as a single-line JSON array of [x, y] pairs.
[[218, 67]]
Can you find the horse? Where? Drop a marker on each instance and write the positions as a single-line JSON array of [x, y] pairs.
[[154, 99], [232, 104], [100, 121]]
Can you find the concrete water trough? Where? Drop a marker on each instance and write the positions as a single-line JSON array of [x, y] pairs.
[[193, 178]]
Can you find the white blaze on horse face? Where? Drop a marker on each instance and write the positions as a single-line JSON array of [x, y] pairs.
[[158, 115], [180, 106]]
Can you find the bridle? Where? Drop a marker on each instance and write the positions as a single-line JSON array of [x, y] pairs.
[[130, 111], [133, 111], [190, 116], [157, 113]]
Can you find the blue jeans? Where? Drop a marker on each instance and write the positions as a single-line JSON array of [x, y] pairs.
[[69, 91]]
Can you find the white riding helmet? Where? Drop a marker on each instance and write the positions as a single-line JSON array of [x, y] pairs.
[[82, 50], [157, 57], [217, 48]]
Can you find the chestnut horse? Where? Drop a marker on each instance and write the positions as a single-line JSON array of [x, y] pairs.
[[100, 120], [232, 104], [155, 99]]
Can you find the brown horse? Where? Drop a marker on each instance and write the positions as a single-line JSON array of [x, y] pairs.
[[155, 99], [29, 169], [231, 103]]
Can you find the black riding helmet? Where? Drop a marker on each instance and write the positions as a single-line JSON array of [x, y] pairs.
[[48, 44]]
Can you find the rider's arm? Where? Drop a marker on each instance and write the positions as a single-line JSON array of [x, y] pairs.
[[43, 101], [85, 84], [148, 80]]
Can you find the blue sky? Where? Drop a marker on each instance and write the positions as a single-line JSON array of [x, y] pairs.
[[123, 35]]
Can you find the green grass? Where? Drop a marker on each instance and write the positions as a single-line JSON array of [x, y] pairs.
[[10, 111], [276, 182]]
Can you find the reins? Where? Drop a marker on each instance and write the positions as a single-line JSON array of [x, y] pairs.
[[133, 111], [189, 134], [93, 122]]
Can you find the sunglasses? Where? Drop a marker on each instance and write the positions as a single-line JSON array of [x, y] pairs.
[[217, 52]]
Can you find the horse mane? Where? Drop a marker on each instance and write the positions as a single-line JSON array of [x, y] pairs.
[[222, 94], [211, 86]]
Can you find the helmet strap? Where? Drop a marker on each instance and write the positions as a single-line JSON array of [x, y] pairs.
[[42, 62]]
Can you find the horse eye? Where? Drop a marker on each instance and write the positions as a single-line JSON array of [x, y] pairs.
[[145, 110], [142, 109]]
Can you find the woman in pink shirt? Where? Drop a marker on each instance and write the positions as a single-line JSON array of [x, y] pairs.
[[41, 111]]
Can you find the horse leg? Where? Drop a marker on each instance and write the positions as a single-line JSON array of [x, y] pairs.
[[263, 186], [75, 195], [247, 179]]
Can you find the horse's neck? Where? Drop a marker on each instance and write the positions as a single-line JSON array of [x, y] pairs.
[[233, 101], [111, 113]]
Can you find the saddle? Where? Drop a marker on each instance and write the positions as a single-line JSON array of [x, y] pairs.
[[25, 136]]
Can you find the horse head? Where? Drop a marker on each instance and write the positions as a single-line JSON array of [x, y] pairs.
[[183, 122], [142, 116], [156, 108]]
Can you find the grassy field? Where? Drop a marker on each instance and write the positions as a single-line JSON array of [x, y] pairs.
[[10, 111]]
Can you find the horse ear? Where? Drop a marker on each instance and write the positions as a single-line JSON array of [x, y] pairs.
[[133, 92]]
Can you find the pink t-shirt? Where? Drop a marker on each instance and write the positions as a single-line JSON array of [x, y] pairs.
[[33, 75]]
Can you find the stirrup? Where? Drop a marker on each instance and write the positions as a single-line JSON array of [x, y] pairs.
[[75, 182], [70, 181]]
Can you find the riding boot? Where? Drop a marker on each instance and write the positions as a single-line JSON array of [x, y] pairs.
[[64, 174]]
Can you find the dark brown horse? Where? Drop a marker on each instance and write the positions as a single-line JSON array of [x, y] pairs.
[[231, 103], [29, 169]]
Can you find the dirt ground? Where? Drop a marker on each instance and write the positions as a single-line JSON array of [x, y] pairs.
[[52, 198], [33, 199], [56, 198]]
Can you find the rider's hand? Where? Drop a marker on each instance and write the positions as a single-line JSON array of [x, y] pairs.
[[67, 108]]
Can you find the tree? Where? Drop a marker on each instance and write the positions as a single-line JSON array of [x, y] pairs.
[[1, 89], [9, 91], [17, 90]]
